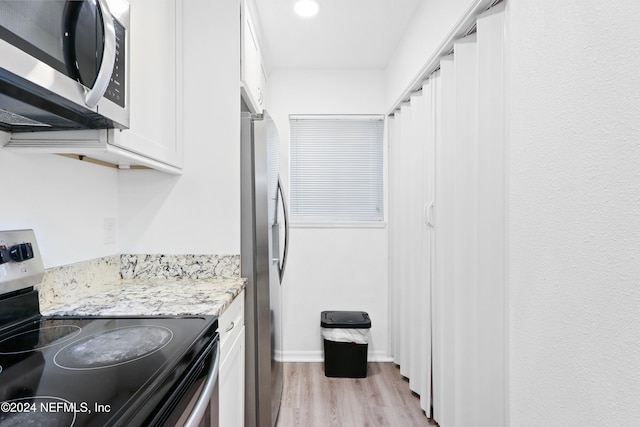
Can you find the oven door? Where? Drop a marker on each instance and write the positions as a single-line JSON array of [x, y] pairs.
[[194, 403], [75, 49]]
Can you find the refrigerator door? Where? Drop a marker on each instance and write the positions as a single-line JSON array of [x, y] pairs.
[[261, 265], [275, 290], [278, 213]]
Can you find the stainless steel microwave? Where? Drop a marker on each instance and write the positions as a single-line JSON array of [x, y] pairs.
[[64, 65]]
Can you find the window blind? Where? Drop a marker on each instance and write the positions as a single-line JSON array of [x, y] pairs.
[[336, 166]]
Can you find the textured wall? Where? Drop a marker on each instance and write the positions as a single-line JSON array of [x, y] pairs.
[[574, 227]]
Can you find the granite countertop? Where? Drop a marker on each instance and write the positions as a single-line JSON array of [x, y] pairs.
[[153, 297]]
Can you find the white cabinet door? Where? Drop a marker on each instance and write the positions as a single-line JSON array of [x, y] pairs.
[[231, 374], [253, 80], [231, 400], [250, 60], [155, 82]]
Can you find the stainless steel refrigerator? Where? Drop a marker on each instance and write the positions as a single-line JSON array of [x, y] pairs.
[[263, 254]]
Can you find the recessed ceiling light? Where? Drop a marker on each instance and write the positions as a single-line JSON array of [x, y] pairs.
[[306, 8]]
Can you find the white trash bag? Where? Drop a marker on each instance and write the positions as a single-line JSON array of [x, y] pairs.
[[356, 336]]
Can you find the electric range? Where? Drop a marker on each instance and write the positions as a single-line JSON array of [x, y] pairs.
[[96, 371]]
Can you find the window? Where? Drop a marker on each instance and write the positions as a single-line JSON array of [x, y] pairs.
[[336, 169]]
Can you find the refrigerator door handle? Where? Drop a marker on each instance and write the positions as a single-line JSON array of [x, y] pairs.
[[286, 229]]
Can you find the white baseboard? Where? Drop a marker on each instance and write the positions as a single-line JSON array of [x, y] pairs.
[[303, 356], [318, 356], [379, 357]]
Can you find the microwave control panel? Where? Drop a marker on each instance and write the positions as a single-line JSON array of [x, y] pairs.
[[116, 89]]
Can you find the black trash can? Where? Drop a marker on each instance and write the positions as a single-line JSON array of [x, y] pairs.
[[346, 341]]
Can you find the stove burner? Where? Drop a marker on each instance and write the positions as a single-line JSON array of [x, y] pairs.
[[114, 347], [36, 339], [39, 411]]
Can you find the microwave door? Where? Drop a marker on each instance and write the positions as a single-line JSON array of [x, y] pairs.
[[75, 38], [37, 28], [57, 61], [90, 29], [65, 35], [33, 52], [100, 64]]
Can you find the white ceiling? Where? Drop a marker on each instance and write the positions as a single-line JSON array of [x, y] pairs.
[[345, 34]]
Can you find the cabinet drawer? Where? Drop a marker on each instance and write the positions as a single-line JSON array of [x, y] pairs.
[[230, 323]]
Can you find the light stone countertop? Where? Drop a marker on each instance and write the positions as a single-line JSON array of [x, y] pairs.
[[153, 297]]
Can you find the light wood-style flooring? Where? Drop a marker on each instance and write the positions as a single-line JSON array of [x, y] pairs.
[[383, 398]]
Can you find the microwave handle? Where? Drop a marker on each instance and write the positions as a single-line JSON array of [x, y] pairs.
[[93, 95]]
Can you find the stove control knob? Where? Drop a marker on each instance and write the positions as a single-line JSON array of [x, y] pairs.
[[21, 252], [4, 254]]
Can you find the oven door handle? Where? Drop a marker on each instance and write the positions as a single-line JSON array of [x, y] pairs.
[[205, 397]]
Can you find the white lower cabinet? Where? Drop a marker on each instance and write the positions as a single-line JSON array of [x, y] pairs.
[[231, 374], [232, 385]]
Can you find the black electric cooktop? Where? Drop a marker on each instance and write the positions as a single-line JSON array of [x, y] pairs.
[[95, 371], [88, 371]]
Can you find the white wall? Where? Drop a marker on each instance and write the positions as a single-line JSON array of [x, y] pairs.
[[198, 212], [574, 217], [430, 27], [65, 201], [330, 268]]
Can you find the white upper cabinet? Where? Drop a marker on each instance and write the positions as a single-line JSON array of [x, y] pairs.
[[156, 82], [253, 79], [154, 138]]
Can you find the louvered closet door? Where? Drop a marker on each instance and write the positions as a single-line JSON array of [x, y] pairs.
[[427, 200], [418, 237], [415, 282], [469, 297], [443, 298], [465, 232], [447, 259], [410, 240], [445, 324], [405, 241], [491, 218]]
